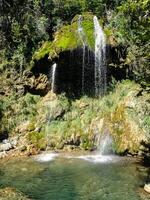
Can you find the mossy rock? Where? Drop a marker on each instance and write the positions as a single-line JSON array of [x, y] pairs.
[[43, 51], [67, 38]]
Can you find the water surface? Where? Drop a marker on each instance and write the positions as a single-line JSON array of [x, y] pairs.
[[73, 178]]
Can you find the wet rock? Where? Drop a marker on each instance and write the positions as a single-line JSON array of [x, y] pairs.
[[5, 147], [147, 188], [14, 141]]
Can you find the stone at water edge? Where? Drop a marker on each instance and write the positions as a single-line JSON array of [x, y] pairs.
[[5, 147], [147, 187]]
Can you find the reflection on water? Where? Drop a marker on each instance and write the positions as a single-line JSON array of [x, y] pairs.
[[72, 179]]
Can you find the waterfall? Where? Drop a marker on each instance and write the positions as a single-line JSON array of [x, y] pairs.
[[53, 74], [100, 54], [82, 37], [105, 144]]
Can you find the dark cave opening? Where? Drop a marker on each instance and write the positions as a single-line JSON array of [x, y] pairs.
[[70, 77]]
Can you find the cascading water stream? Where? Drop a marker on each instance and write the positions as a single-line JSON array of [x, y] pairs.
[[100, 54], [53, 74], [105, 144], [82, 37]]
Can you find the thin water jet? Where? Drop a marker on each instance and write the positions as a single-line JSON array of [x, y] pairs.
[[82, 37], [53, 76], [100, 59]]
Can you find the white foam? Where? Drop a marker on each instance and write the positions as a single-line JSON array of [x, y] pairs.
[[98, 158], [45, 157]]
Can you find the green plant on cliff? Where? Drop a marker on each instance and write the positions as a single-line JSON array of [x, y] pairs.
[[37, 139], [15, 111], [80, 122]]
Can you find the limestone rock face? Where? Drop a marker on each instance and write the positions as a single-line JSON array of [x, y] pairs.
[[39, 85]]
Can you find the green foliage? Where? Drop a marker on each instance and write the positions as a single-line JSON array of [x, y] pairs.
[[38, 139], [131, 21], [130, 25], [70, 9], [23, 28], [15, 111], [120, 112], [29, 23]]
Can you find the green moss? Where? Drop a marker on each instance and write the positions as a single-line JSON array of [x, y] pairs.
[[88, 28], [43, 51], [67, 38]]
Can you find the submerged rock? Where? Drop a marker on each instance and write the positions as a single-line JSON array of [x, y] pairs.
[[11, 194]]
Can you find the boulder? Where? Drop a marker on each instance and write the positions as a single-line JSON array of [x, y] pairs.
[[38, 85], [5, 146], [147, 188]]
